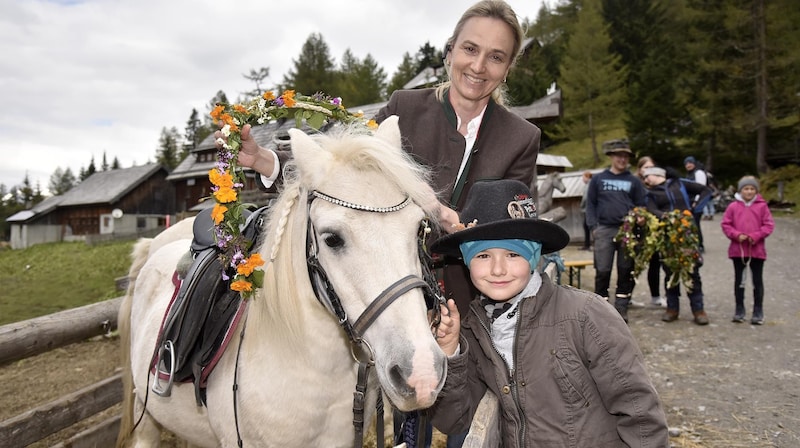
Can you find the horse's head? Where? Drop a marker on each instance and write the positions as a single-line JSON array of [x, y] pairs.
[[365, 200], [558, 183]]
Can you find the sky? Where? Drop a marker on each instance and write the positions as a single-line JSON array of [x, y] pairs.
[[84, 78]]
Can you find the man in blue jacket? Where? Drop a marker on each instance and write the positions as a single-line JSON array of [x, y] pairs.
[[611, 195]]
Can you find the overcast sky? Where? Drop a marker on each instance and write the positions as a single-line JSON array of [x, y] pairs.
[[79, 78]]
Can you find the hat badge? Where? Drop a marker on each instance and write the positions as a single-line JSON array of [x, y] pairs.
[[522, 207]]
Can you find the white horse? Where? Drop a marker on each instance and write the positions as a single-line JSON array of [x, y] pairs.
[[552, 181], [362, 199]]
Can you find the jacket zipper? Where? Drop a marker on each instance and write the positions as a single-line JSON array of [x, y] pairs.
[[511, 372]]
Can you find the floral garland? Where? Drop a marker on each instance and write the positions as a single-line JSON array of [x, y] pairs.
[[227, 177], [639, 234], [674, 237]]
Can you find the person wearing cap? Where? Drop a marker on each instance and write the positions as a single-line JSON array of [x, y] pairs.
[[611, 195], [678, 194], [562, 363], [747, 223], [696, 173]]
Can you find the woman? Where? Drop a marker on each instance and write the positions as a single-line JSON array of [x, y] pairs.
[[654, 268], [461, 129]]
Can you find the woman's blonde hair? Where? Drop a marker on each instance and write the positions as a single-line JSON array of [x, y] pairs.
[[493, 9]]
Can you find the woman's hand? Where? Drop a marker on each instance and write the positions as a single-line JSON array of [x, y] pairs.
[[250, 154]]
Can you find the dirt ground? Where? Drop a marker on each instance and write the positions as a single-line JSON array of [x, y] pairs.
[[722, 385]]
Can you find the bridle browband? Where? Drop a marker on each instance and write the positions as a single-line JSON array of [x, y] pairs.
[[327, 296]]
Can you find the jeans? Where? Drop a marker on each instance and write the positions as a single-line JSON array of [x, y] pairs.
[[654, 276], [604, 251], [757, 269], [587, 234], [695, 295]]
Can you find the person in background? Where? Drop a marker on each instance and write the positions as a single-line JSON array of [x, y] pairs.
[[654, 266], [612, 194], [747, 223], [677, 194], [587, 232], [696, 173], [562, 363]]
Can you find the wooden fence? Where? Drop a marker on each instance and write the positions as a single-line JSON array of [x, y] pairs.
[[32, 337]]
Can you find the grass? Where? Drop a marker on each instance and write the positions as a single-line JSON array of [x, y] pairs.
[[48, 278]]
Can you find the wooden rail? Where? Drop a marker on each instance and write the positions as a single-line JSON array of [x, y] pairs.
[[35, 336]]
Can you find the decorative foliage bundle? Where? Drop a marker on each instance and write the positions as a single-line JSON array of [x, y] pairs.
[[674, 237], [227, 177]]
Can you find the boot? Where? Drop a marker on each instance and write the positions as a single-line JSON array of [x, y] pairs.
[[621, 304], [758, 316], [670, 315], [700, 317], [738, 317]]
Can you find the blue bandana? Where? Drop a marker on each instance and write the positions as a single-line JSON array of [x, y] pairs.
[[530, 250]]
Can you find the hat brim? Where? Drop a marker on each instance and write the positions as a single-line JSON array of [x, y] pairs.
[[552, 237], [619, 150]]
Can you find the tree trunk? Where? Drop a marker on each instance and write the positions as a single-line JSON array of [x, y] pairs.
[[762, 120]]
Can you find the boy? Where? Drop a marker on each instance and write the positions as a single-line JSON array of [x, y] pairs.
[[561, 361]]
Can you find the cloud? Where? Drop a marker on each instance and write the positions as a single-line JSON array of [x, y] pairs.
[[82, 78]]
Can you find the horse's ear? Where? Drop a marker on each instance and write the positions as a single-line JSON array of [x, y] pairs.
[[305, 149], [389, 130]]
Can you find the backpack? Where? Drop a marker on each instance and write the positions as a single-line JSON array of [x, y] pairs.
[[686, 200]]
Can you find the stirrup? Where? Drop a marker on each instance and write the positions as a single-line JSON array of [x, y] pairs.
[[158, 388]]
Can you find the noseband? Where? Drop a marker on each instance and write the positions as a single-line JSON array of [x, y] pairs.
[[325, 293]]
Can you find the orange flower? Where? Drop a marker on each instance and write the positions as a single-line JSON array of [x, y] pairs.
[[225, 195], [250, 265], [239, 108], [215, 114], [372, 124], [229, 120], [687, 213], [242, 286], [222, 180], [288, 98], [268, 95], [218, 213]]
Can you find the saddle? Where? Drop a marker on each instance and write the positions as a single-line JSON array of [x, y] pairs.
[[202, 314]]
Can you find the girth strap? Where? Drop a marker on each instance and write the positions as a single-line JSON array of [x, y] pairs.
[[386, 298]]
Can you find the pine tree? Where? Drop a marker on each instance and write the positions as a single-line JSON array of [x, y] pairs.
[[104, 165], [167, 153], [115, 165], [314, 70], [258, 77], [360, 82], [405, 72], [61, 181], [591, 82]]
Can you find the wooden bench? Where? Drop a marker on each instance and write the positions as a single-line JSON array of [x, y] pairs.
[[574, 267]]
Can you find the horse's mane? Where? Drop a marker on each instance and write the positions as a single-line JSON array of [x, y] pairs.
[[286, 283]]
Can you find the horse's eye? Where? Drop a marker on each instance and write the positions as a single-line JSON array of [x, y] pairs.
[[333, 241]]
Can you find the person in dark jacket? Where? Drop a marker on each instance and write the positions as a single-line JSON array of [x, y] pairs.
[[563, 364], [678, 194], [611, 195]]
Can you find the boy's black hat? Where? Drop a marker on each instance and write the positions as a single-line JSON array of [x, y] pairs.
[[502, 209]]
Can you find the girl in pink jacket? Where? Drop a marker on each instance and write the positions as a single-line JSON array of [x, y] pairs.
[[747, 223]]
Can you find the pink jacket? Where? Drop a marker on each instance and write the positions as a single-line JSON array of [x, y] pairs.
[[754, 221]]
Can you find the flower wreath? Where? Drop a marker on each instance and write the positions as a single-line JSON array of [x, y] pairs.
[[674, 237], [227, 177]]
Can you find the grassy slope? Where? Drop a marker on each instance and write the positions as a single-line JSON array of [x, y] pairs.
[[47, 278]]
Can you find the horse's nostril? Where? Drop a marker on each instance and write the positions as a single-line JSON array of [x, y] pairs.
[[399, 379]]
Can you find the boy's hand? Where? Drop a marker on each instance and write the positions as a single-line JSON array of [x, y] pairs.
[[447, 333]]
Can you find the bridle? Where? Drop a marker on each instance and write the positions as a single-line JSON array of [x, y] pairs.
[[327, 296]]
